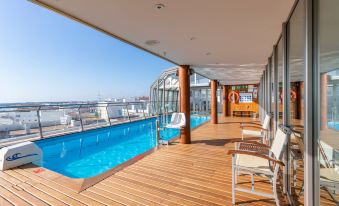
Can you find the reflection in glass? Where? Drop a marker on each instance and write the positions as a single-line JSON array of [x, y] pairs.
[[328, 94], [280, 80], [296, 63]]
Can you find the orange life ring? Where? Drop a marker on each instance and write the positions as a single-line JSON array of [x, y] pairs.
[[233, 97], [293, 96]]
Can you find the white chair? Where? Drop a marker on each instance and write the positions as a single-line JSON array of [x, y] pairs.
[[329, 175], [256, 163], [262, 131], [178, 121]]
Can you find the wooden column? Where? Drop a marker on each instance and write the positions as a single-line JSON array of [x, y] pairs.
[[323, 101], [184, 91], [214, 104], [224, 101]]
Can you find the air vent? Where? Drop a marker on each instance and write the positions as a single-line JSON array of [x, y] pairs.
[[152, 42]]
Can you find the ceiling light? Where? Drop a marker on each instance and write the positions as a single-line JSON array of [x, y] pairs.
[[159, 6], [152, 42]]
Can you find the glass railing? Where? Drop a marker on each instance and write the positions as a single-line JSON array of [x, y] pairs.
[[27, 122]]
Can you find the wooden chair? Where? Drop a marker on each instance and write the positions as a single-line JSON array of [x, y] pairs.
[[265, 163]]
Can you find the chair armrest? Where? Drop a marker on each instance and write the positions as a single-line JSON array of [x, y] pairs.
[[233, 152], [253, 127], [252, 142], [254, 123]]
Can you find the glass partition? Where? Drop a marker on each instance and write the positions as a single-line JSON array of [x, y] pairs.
[[272, 101], [296, 64], [94, 116], [59, 120], [328, 78], [117, 114], [280, 80], [135, 111], [19, 123]]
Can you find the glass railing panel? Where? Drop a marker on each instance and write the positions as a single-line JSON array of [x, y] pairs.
[[59, 120], [147, 109], [94, 116], [135, 111], [117, 113], [18, 124]]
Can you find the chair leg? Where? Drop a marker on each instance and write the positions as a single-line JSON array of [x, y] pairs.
[[252, 181], [294, 173], [234, 173], [302, 189], [275, 178], [276, 198]]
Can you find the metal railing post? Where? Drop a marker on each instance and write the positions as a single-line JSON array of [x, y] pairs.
[[143, 111], [39, 122], [81, 124], [109, 119], [157, 126], [129, 118]]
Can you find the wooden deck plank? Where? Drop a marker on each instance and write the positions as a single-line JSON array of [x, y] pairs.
[[42, 192], [22, 193], [12, 198], [4, 202], [78, 196], [135, 190], [100, 198], [163, 194]]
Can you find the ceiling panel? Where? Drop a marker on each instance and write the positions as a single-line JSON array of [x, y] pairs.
[[216, 37]]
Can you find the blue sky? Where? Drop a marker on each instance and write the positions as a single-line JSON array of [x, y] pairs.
[[47, 57]]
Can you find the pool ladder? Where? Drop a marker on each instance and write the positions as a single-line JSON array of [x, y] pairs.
[[159, 141]]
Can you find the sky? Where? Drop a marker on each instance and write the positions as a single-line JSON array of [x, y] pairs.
[[47, 57]]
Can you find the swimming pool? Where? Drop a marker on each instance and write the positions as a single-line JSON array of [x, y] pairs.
[[333, 125], [90, 153]]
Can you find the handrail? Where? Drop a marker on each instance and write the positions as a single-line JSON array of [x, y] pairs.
[[38, 121], [75, 117], [72, 105]]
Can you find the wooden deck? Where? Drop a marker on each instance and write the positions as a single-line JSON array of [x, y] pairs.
[[195, 174]]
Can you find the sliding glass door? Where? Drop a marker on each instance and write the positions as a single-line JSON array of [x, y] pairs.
[[328, 96]]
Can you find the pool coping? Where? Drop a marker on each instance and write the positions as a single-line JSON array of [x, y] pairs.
[[81, 184]]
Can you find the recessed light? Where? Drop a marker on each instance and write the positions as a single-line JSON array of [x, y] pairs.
[[152, 42], [159, 6]]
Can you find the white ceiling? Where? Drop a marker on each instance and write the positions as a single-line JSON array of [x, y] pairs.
[[227, 40]]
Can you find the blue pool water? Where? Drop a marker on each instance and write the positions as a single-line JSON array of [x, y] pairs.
[[91, 153], [333, 125]]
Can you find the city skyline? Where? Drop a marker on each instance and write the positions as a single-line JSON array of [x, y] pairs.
[[47, 58]]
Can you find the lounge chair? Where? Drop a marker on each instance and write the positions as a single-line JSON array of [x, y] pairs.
[[178, 121], [261, 132], [329, 176], [256, 163]]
